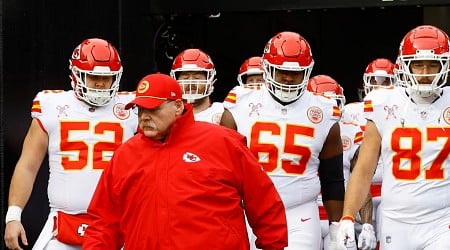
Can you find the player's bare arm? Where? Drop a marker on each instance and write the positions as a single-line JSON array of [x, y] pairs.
[[333, 144], [33, 152], [366, 210], [227, 120], [359, 184]]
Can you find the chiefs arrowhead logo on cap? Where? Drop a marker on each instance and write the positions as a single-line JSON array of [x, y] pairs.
[[143, 86], [154, 89]]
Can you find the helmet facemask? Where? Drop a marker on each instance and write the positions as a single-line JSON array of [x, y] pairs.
[[94, 96], [340, 99], [399, 75], [242, 79], [378, 79], [286, 92], [195, 89], [410, 78], [379, 73], [251, 67]]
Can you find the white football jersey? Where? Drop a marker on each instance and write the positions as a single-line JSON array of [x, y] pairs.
[[415, 154], [354, 113], [82, 140], [287, 139], [351, 136], [212, 115]]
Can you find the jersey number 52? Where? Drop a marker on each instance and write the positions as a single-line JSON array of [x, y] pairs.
[[98, 161]]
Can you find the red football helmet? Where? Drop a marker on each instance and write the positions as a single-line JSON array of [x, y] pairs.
[[198, 61], [327, 86], [95, 57], [287, 51], [251, 66], [379, 73], [424, 42]]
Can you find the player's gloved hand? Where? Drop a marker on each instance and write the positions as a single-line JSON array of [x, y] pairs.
[[334, 243], [346, 232], [367, 239]]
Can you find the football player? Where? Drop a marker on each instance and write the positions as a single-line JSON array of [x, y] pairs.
[[408, 129], [195, 72], [295, 135], [79, 130]]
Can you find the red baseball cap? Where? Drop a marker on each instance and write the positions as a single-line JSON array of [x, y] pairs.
[[154, 89]]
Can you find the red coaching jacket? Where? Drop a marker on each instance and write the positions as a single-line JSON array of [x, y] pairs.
[[188, 192]]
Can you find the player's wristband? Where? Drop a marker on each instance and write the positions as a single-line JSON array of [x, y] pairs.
[[14, 213], [348, 217]]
